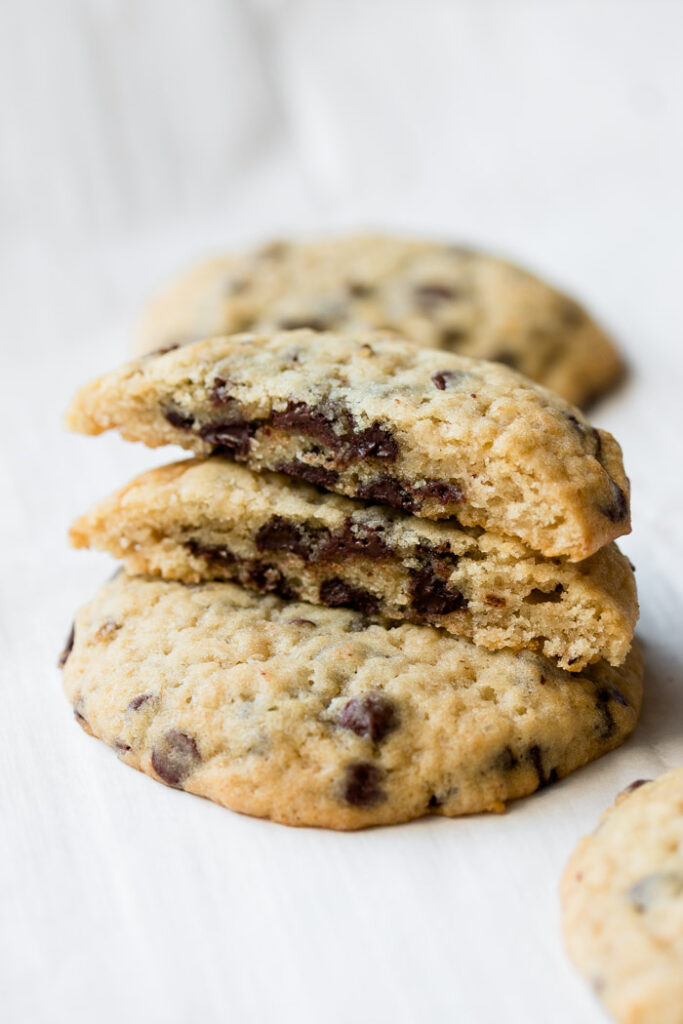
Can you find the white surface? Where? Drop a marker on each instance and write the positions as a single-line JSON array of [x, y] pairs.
[[139, 133]]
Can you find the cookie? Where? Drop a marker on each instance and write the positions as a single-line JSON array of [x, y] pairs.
[[377, 418], [622, 896], [312, 716], [210, 519], [440, 296]]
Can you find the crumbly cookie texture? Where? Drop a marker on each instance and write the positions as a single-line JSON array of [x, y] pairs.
[[209, 519], [311, 716], [378, 418], [622, 896], [440, 296]]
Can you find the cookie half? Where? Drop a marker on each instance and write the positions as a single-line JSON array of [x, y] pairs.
[[207, 519], [440, 296], [380, 419], [622, 897], [310, 716]]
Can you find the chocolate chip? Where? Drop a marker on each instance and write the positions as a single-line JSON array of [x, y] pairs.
[[295, 323], [434, 801], [179, 419], [164, 349], [452, 337], [362, 784], [495, 601], [507, 358], [429, 295], [353, 540], [318, 423], [318, 475], [442, 379], [431, 596], [636, 784], [373, 715], [219, 394], [359, 290], [617, 509], [607, 725], [279, 534], [535, 756], [138, 701], [389, 491], [335, 592], [374, 442], [612, 693], [231, 439], [68, 647], [175, 757], [588, 434], [219, 555], [506, 761], [444, 493], [269, 580]]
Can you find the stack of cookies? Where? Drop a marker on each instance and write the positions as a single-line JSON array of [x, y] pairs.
[[385, 584]]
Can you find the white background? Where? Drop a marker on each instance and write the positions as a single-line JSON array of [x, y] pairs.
[[138, 134]]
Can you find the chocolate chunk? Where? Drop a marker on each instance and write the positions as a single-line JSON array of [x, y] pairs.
[[602, 703], [535, 756], [355, 539], [617, 509], [589, 435], [317, 475], [302, 419], [269, 580], [68, 647], [219, 555], [335, 592], [219, 394], [164, 349], [506, 761], [175, 757], [612, 693], [429, 295], [375, 442], [373, 715], [231, 439], [138, 701], [389, 491], [295, 323], [444, 493], [443, 379], [176, 418], [431, 596], [362, 784], [279, 534], [636, 784]]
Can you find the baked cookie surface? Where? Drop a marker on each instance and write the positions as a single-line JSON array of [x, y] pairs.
[[310, 716], [622, 897], [210, 519], [441, 296], [380, 419]]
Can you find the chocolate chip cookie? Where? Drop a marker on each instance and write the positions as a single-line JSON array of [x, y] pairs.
[[313, 716], [380, 419], [209, 519], [441, 296], [622, 895]]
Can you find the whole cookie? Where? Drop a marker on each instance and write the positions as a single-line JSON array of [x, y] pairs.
[[441, 296], [210, 519], [310, 716], [380, 419], [622, 896]]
